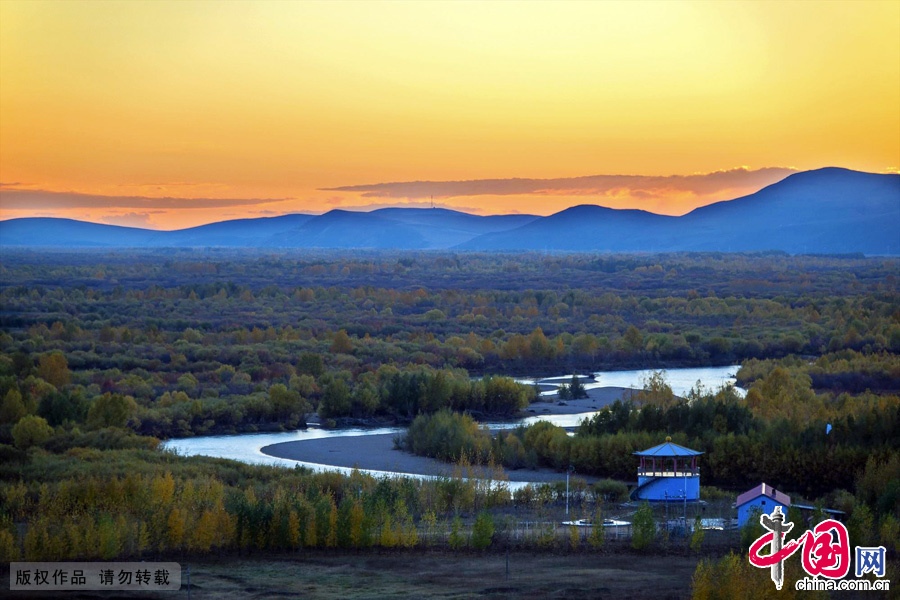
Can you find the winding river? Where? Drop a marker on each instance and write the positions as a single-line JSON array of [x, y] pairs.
[[247, 447]]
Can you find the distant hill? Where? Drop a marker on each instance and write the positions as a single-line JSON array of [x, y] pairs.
[[47, 231], [826, 211], [346, 229], [236, 233], [583, 228]]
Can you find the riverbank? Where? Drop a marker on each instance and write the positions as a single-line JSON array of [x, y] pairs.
[[347, 442], [377, 453]]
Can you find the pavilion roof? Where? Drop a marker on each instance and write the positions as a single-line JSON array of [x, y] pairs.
[[668, 449]]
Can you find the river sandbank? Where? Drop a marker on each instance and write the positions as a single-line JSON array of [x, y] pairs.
[[377, 453]]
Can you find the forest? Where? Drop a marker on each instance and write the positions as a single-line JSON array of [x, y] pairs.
[[777, 433], [105, 353]]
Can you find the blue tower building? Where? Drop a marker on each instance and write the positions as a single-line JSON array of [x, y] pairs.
[[668, 473]]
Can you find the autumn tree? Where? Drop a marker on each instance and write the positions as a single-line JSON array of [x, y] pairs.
[[356, 518], [341, 343], [574, 537], [294, 533], [387, 537], [204, 533], [655, 391], [12, 408], [54, 369], [9, 550], [175, 525], [633, 340], [310, 537], [162, 489]]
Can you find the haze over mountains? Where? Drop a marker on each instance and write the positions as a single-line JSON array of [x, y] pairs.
[[827, 211]]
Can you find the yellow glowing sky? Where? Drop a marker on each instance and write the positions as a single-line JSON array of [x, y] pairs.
[[248, 109]]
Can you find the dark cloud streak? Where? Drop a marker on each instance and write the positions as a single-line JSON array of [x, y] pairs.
[[700, 184], [14, 199]]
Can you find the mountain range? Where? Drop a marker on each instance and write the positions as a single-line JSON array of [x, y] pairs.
[[825, 211]]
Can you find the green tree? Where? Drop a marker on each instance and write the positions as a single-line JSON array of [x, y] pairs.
[[697, 535], [889, 532], [643, 527], [457, 538], [576, 388], [59, 407], [111, 410], [752, 529], [305, 385], [286, 403], [31, 431], [110, 540], [311, 364], [336, 400], [574, 537], [483, 530], [861, 525], [598, 531], [356, 521], [429, 522]]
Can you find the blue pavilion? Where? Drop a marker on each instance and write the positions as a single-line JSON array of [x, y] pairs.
[[668, 473]]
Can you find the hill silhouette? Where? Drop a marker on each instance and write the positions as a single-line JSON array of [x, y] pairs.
[[827, 211]]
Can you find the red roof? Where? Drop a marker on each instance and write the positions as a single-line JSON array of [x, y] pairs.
[[764, 489]]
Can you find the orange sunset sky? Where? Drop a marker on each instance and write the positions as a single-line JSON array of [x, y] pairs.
[[172, 114]]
